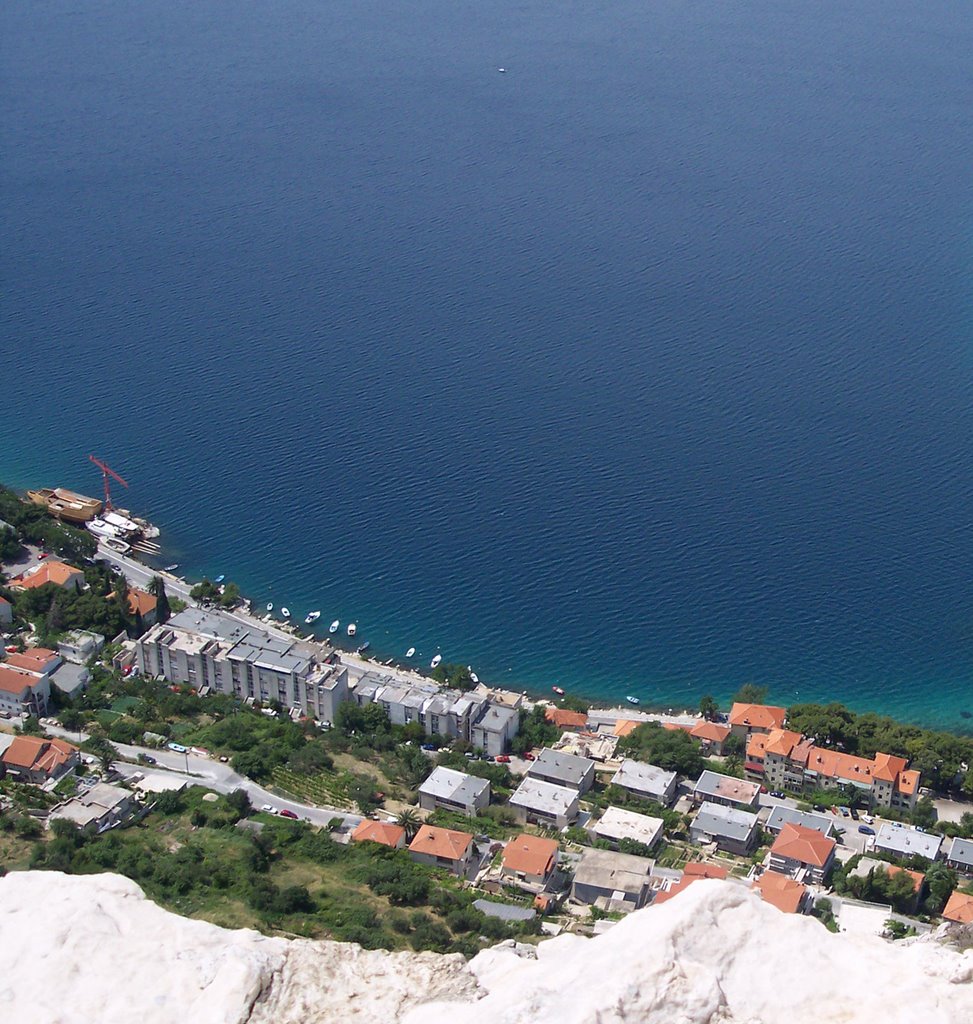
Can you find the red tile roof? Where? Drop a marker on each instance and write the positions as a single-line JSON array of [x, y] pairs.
[[15, 682], [34, 659], [381, 832], [140, 601], [782, 892], [806, 845], [712, 732], [565, 719], [624, 726], [38, 754], [441, 842], [758, 716], [695, 872], [959, 908], [48, 572], [530, 855]]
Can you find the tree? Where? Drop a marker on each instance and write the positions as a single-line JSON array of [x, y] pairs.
[[409, 820], [157, 588], [924, 814], [941, 881], [751, 693], [708, 707], [104, 751], [673, 750]]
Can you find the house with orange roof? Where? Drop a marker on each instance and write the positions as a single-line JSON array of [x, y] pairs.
[[564, 719], [959, 908], [39, 661], [866, 865], [529, 861], [802, 853], [36, 759], [696, 871], [786, 894], [777, 758], [59, 573], [624, 726], [750, 718], [23, 693], [883, 781], [141, 602], [711, 736], [384, 833], [442, 848]]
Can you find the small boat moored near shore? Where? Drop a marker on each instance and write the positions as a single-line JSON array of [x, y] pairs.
[[333, 628], [171, 568], [270, 606], [285, 612], [558, 690], [312, 617], [220, 578], [410, 653], [435, 661], [364, 647], [632, 700], [352, 628]]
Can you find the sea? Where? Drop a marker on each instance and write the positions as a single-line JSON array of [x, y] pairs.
[[625, 347]]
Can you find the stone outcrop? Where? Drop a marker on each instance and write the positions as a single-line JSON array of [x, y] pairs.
[[93, 948]]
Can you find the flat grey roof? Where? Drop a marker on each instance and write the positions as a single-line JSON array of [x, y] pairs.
[[647, 778], [723, 821], [961, 851], [613, 872], [617, 823], [782, 815], [496, 719], [449, 784], [568, 768], [68, 676], [265, 649], [726, 787], [536, 795], [908, 841]]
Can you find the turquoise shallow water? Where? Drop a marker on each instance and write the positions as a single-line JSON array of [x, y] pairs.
[[644, 367]]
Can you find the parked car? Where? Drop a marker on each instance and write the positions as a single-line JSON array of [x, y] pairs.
[[854, 814], [866, 830], [503, 759], [820, 807], [844, 812], [429, 746], [267, 807], [147, 759], [868, 819], [224, 758], [285, 812], [529, 756], [777, 793]]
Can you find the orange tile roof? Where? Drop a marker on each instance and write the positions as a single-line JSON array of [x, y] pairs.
[[34, 659], [887, 767], [38, 754], [758, 716], [15, 682], [711, 731], [382, 832], [833, 764], [782, 742], [441, 842], [918, 878], [959, 908], [676, 727], [530, 855], [48, 572], [806, 845], [757, 745], [624, 726], [781, 892], [140, 601], [565, 719], [697, 869], [908, 782]]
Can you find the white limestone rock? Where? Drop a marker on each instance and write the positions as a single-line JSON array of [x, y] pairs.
[[94, 949]]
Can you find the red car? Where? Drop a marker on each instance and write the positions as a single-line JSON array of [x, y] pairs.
[[529, 756], [285, 813], [503, 759]]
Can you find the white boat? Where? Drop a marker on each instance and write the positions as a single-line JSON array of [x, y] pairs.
[[171, 568], [410, 653], [285, 612], [118, 545], [101, 529], [270, 606], [333, 628], [502, 71], [312, 617], [475, 677], [352, 629], [632, 700], [435, 661], [219, 579], [558, 690]]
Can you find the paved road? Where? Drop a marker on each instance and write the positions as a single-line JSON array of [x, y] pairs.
[[215, 775]]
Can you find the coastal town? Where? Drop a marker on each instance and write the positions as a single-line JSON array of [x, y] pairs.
[[132, 701]]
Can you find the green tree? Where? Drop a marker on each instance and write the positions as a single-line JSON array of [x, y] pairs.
[[708, 707], [157, 588], [924, 815], [941, 881], [671, 749], [751, 693], [409, 820], [107, 755]]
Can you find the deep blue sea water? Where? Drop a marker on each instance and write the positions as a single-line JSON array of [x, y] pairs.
[[645, 367]]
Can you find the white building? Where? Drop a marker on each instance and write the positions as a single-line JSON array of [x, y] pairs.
[[907, 842], [542, 803], [451, 790], [617, 824]]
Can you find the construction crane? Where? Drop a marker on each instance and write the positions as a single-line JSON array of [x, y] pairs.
[[106, 472]]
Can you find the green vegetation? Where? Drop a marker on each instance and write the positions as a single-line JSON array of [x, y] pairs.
[[671, 749], [751, 693], [824, 913], [33, 525], [535, 731], [283, 877], [207, 592], [457, 676]]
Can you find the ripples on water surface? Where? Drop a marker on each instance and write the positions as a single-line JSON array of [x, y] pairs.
[[644, 367]]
